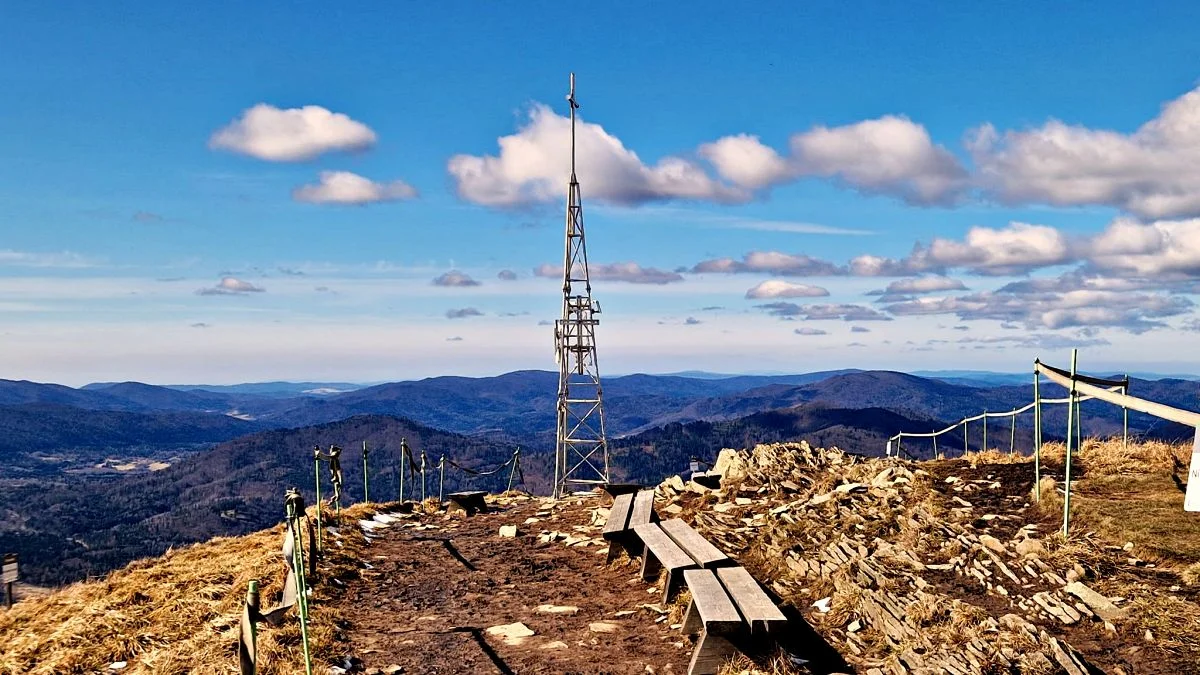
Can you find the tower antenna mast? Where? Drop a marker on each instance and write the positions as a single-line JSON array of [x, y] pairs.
[[581, 447]]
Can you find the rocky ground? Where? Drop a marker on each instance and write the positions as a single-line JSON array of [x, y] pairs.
[[939, 567]]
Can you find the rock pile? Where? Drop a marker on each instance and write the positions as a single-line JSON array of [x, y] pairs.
[[899, 572]]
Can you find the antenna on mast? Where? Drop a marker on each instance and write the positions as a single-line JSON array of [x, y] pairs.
[[574, 106]]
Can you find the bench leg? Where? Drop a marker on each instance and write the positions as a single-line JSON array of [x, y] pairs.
[[650, 565], [691, 619], [712, 651], [671, 585]]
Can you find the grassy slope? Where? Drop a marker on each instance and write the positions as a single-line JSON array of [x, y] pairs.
[[176, 614]]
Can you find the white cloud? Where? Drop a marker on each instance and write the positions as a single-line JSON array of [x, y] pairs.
[[918, 285], [291, 135], [533, 166], [65, 259], [1153, 172], [784, 289], [1157, 249], [769, 262], [629, 272], [823, 312], [890, 155], [453, 279], [231, 286], [343, 187], [1012, 250], [1080, 308], [745, 161]]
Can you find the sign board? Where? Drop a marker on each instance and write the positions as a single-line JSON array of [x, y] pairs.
[[8, 573], [1192, 501], [889, 449]]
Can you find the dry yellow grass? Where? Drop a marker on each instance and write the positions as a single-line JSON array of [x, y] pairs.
[[178, 613], [1111, 457]]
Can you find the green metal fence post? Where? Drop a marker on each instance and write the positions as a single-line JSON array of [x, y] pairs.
[[512, 473], [1070, 424], [1037, 433], [441, 477], [366, 475], [293, 518], [252, 603], [1125, 422], [403, 456], [423, 495], [317, 476], [1012, 435]]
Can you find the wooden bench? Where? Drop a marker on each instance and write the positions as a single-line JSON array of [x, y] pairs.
[[726, 603], [757, 608], [471, 501], [659, 552], [628, 510], [704, 553], [711, 614]]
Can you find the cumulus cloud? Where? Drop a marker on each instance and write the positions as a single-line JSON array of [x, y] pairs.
[[823, 312], [464, 313], [745, 161], [1153, 172], [231, 286], [343, 187], [454, 279], [506, 275], [805, 330], [629, 272], [784, 289], [1157, 249], [769, 262], [291, 135], [532, 167], [1134, 312], [918, 285], [890, 155]]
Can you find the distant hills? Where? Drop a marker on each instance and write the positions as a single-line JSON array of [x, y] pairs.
[[93, 477]]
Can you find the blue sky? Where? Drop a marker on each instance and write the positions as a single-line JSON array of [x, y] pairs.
[[156, 225]]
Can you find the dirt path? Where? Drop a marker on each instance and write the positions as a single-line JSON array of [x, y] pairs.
[[433, 593]]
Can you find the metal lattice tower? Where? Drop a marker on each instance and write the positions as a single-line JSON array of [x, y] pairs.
[[581, 451]]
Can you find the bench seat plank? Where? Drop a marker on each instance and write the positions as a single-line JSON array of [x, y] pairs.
[[643, 508], [618, 515], [660, 552], [754, 604], [714, 609], [695, 545]]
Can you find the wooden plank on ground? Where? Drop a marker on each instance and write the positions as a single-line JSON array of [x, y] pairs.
[[618, 515], [643, 508], [754, 604], [695, 545]]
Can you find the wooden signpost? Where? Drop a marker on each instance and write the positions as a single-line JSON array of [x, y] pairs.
[[9, 575], [1191, 502]]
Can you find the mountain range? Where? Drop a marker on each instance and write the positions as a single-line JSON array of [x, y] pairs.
[[93, 477]]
